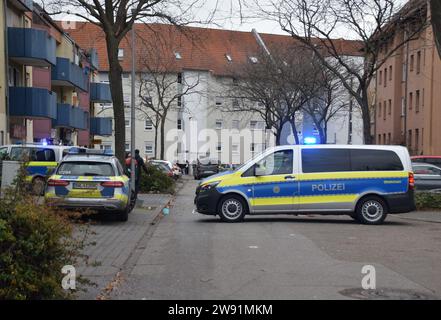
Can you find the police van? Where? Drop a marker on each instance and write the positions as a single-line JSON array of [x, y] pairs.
[[42, 159], [364, 182]]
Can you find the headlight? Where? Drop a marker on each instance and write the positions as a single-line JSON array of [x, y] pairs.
[[209, 186]]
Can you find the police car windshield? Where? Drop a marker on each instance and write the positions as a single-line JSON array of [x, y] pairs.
[[82, 168]]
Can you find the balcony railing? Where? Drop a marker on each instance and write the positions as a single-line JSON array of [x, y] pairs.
[[31, 47], [32, 103], [68, 74], [101, 126], [69, 116], [100, 93]]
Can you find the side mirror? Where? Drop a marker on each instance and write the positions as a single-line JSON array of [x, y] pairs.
[[259, 170]]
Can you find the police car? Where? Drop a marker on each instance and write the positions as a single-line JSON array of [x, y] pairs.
[[365, 182], [42, 159], [91, 179]]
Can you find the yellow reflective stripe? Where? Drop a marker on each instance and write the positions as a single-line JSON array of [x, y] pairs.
[[238, 180], [327, 199], [41, 164], [272, 201], [122, 197], [351, 175]]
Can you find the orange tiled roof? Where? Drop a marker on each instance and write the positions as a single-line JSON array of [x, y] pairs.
[[200, 48]]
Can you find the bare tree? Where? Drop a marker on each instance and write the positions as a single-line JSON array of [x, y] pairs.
[[116, 18], [320, 24], [275, 86], [162, 86], [328, 100]]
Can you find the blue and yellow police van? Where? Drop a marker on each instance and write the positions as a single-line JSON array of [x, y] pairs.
[[366, 182], [40, 160]]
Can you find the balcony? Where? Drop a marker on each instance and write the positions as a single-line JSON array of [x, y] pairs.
[[101, 126], [69, 116], [31, 47], [68, 74], [32, 103], [23, 5], [100, 93]]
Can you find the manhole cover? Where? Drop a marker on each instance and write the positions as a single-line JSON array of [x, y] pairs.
[[386, 294]]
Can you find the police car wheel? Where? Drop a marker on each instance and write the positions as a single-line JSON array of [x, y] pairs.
[[232, 209], [371, 210]]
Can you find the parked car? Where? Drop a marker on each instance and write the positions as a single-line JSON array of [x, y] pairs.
[[364, 182], [427, 176], [435, 160], [91, 179], [167, 167], [205, 168]]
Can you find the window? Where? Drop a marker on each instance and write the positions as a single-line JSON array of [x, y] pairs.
[[389, 138], [219, 146], [418, 62], [106, 147], [235, 148], [390, 107], [235, 104], [379, 139], [375, 160], [127, 147], [403, 106], [179, 77], [229, 58], [218, 124], [427, 170], [148, 148], [403, 72], [422, 99], [390, 73], [126, 101], [120, 54], [83, 168], [380, 78], [179, 124], [127, 121], [42, 155], [219, 101], [280, 162], [417, 138], [256, 125], [409, 139], [148, 125], [235, 124], [180, 102], [325, 160], [411, 62], [385, 77], [410, 100], [379, 109], [417, 101], [384, 110]]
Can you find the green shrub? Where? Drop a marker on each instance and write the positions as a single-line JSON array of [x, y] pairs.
[[427, 200], [156, 181], [35, 243]]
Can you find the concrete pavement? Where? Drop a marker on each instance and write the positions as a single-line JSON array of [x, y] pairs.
[[191, 256]]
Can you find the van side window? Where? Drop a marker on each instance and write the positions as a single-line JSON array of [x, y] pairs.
[[325, 160], [43, 155], [280, 162], [375, 160], [20, 153]]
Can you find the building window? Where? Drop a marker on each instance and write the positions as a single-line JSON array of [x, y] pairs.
[[384, 110], [179, 77], [380, 78], [390, 73], [409, 139], [417, 101], [256, 125], [235, 124], [410, 100], [235, 104], [385, 77], [422, 99], [219, 146], [403, 72], [180, 102], [390, 107], [127, 146], [120, 54], [389, 138], [126, 101], [148, 125], [379, 139], [179, 124], [403, 106], [384, 138], [148, 148], [417, 138], [127, 121], [218, 124], [418, 62], [219, 101], [235, 148], [379, 109], [411, 62], [178, 55]]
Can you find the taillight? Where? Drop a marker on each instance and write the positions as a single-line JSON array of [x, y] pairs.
[[411, 180], [57, 183], [112, 184]]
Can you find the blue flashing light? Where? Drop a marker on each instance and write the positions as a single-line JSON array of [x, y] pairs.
[[310, 140], [108, 152], [44, 142]]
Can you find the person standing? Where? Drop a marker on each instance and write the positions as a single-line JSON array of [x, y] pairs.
[[187, 167], [140, 164]]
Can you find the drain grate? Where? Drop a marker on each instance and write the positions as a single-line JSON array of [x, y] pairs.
[[386, 294]]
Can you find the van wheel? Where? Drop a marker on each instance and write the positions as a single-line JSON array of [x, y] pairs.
[[232, 209], [38, 185], [371, 210]]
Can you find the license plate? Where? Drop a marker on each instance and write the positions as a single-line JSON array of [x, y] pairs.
[[84, 185]]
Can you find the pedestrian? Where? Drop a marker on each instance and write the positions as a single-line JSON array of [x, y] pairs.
[[187, 167], [141, 164]]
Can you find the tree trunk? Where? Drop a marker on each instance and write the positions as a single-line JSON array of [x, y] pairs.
[[156, 140], [294, 130], [366, 116], [278, 134], [163, 118], [116, 89]]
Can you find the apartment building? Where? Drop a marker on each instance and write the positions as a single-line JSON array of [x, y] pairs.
[[408, 92], [46, 80], [204, 122]]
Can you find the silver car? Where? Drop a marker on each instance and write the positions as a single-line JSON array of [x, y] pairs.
[[427, 177]]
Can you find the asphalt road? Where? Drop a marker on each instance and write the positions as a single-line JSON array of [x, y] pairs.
[[191, 256]]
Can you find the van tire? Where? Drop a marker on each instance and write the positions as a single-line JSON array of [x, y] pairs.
[[371, 210], [232, 208]]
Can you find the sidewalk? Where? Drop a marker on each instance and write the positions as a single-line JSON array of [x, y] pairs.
[[427, 216], [116, 242]]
